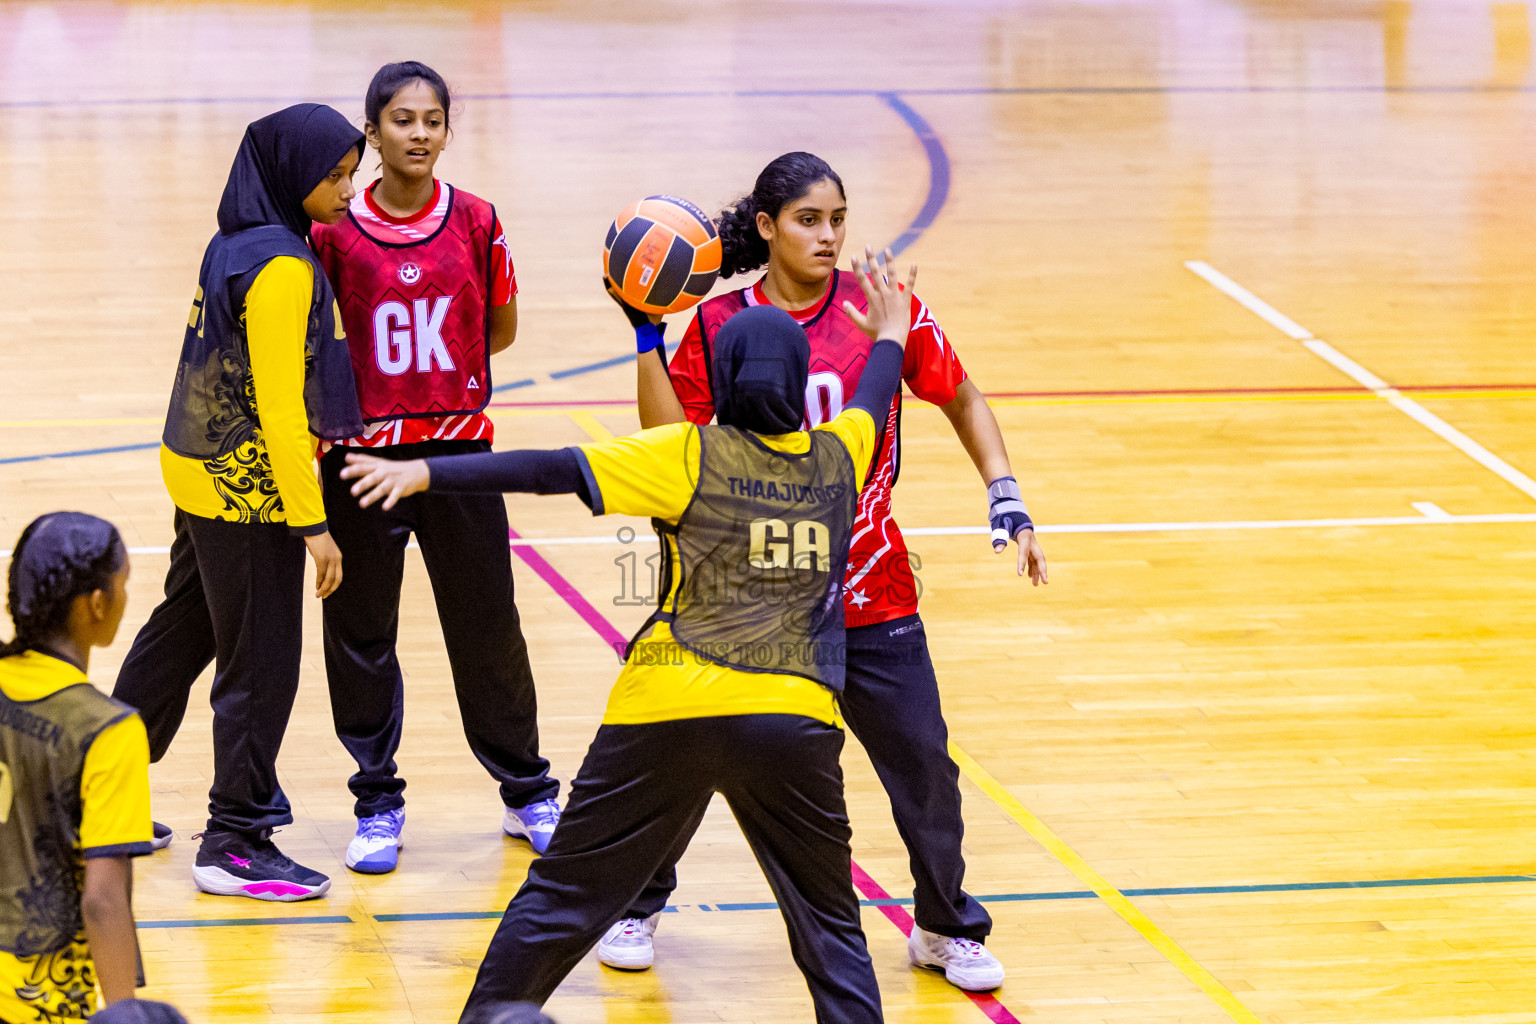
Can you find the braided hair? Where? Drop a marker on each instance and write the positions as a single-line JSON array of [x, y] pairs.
[[59, 557], [783, 181]]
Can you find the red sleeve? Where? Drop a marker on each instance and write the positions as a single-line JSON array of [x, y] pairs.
[[503, 274], [690, 376], [931, 368]]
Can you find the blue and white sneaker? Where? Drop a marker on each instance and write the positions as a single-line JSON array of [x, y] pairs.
[[535, 823], [375, 850]]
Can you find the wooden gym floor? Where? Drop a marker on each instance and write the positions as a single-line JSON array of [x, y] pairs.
[[1252, 287]]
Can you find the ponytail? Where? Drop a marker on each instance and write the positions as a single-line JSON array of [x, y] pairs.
[[783, 181], [58, 557]]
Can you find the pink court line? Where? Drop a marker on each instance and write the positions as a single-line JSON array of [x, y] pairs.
[[897, 915], [561, 405], [988, 1004], [562, 586]]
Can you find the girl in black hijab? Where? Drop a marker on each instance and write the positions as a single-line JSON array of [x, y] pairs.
[[264, 375], [731, 685]]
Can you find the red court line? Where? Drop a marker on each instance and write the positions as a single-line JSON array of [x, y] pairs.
[[1196, 392], [988, 1004], [1424, 389]]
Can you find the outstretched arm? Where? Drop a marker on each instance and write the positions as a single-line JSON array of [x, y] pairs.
[[977, 428], [529, 471]]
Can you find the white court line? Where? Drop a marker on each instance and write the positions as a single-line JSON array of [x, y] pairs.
[[1425, 519], [1365, 378], [1430, 510]]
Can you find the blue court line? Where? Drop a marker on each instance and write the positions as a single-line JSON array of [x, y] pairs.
[[667, 94], [593, 367], [1083, 894], [470, 915], [933, 202], [938, 171], [497, 389], [1011, 897], [245, 922], [79, 452]]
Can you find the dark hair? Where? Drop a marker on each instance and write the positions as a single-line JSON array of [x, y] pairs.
[[391, 78], [58, 557], [783, 181]]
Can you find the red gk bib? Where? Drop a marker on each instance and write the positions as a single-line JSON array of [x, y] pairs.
[[417, 315]]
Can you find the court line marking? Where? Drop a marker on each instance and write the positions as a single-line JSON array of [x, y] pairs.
[[79, 453], [1448, 391], [1117, 901], [245, 922], [1365, 378], [518, 542], [586, 421], [938, 171], [904, 901], [1354, 395], [1044, 90]]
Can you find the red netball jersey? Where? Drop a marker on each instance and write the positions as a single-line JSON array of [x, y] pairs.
[[419, 303], [879, 585]]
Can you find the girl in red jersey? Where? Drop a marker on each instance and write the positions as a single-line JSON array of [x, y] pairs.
[[427, 293], [793, 222]]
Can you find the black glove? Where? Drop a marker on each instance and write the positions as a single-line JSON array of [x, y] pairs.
[[647, 334], [637, 318]]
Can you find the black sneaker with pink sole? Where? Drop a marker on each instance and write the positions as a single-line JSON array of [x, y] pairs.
[[237, 864]]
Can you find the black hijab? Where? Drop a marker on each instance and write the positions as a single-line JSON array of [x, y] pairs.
[[261, 216], [761, 358], [281, 159]]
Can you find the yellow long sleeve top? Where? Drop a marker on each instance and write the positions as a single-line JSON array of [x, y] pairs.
[[655, 473], [270, 478]]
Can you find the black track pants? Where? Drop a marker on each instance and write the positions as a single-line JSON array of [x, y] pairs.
[[463, 540], [636, 803]]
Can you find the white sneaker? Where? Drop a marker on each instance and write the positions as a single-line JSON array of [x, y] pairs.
[[627, 945], [965, 963], [535, 823], [375, 850]]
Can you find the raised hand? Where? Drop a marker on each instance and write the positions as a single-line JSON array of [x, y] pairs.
[[636, 317], [888, 315]]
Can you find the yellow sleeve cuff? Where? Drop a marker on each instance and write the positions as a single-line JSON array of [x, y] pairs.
[[114, 792], [277, 324]]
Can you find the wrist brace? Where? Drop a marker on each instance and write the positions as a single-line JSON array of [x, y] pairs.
[[649, 336], [1006, 510]]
